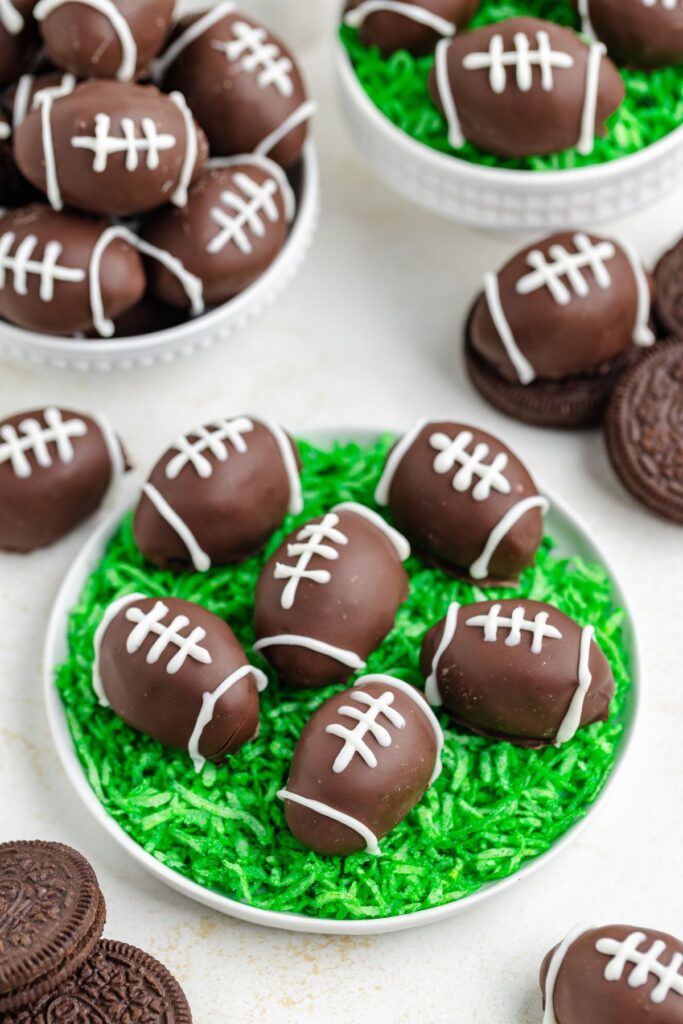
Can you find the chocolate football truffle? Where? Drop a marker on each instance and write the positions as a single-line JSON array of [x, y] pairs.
[[64, 273], [175, 671], [363, 761], [241, 82], [218, 494], [524, 87], [556, 326], [104, 38], [18, 38], [638, 33], [234, 225], [415, 26], [617, 974], [464, 499], [111, 148], [328, 596], [520, 671], [55, 468]]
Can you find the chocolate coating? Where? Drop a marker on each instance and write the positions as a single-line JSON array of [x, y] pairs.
[[155, 696], [18, 39], [61, 302], [391, 31], [516, 122], [101, 176], [669, 290], [583, 995], [505, 690], [562, 330], [42, 501], [636, 33], [213, 239], [379, 786], [450, 524], [232, 502], [350, 601], [83, 40], [240, 86]]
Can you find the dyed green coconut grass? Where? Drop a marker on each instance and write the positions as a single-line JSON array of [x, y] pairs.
[[494, 808], [398, 86]]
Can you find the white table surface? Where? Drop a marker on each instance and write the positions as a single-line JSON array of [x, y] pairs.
[[368, 335]]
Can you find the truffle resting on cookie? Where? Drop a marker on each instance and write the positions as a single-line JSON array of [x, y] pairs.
[[218, 494], [464, 499], [517, 670], [329, 595]]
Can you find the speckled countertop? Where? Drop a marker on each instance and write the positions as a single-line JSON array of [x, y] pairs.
[[368, 335]]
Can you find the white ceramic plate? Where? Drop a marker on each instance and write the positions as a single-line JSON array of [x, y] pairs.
[[572, 538], [496, 198], [28, 348]]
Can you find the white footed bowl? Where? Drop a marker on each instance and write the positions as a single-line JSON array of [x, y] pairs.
[[28, 348], [496, 198], [572, 539]]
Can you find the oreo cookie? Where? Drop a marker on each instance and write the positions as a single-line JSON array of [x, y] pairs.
[[118, 984], [574, 403], [669, 290], [644, 430], [52, 913]]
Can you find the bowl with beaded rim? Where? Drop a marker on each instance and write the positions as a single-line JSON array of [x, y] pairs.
[[498, 198], [52, 352], [572, 540]]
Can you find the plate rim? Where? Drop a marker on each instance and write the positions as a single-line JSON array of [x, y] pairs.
[[55, 646]]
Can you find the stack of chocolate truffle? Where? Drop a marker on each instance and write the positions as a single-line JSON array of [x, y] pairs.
[[146, 168]]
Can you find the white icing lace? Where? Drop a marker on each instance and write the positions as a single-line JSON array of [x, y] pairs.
[[516, 623], [312, 539], [10, 18], [249, 46], [355, 739], [211, 438], [256, 202], [550, 273], [151, 624], [453, 451], [34, 438], [149, 143], [523, 59], [21, 264], [646, 963]]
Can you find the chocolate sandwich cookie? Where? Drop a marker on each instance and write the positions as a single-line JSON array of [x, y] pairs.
[[644, 430], [575, 403], [119, 984], [669, 290], [52, 913]]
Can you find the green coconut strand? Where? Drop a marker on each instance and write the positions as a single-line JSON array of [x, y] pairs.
[[398, 85], [494, 808]]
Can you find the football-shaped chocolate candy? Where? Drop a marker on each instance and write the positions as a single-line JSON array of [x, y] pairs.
[[241, 82], [364, 760], [111, 148], [415, 26], [520, 671], [64, 273], [617, 974], [232, 228], [463, 498], [218, 494], [104, 38], [524, 87], [639, 33], [18, 38], [329, 595], [175, 671], [562, 306], [55, 468]]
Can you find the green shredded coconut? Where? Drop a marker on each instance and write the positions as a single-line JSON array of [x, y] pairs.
[[494, 808], [398, 85]]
